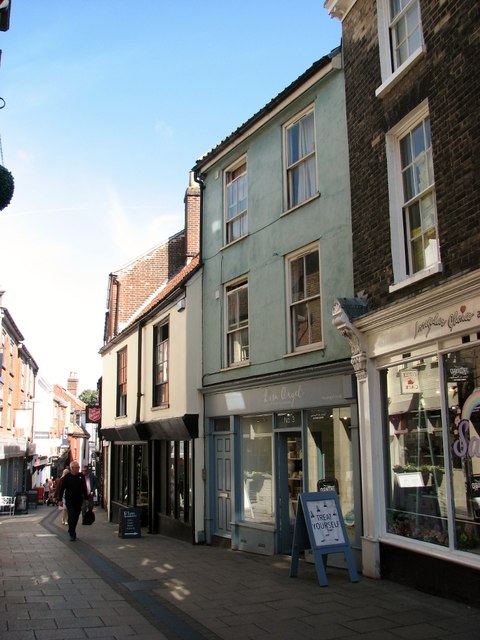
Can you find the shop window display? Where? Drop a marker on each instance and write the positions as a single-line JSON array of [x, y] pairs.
[[417, 495], [462, 378], [433, 477], [330, 457], [257, 462]]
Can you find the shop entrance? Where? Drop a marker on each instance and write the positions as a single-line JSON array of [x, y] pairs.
[[289, 484]]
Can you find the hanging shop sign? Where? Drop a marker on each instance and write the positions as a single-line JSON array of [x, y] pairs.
[[320, 526]]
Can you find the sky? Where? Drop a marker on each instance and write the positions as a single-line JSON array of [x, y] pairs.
[[108, 105]]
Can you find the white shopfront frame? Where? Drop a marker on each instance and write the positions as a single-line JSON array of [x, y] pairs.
[[429, 324]]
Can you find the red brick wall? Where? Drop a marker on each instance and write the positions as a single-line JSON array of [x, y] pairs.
[[133, 285]]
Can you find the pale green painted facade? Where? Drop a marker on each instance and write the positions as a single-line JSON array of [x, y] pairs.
[[278, 396], [273, 233]]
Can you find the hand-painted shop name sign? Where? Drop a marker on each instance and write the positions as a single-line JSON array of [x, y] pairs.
[[466, 444], [452, 320], [288, 395]]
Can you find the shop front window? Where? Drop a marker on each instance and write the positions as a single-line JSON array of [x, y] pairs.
[[417, 486], [330, 465], [178, 474], [462, 379], [257, 455]]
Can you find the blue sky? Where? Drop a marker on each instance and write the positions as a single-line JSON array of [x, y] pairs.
[[109, 103]]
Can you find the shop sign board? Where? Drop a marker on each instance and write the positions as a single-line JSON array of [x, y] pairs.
[[129, 523], [320, 526]]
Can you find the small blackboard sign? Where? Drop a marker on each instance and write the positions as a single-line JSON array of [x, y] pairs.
[[21, 503], [319, 526], [129, 523]]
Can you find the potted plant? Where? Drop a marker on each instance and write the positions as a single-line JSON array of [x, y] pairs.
[[6, 187]]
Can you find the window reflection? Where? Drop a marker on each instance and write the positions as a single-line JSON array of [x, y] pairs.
[[417, 496]]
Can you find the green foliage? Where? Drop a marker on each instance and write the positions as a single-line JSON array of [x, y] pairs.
[[89, 397], [6, 187]]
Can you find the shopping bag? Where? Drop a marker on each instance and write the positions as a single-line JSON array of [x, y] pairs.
[[89, 517]]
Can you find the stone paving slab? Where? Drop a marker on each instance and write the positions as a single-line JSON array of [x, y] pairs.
[[154, 587]]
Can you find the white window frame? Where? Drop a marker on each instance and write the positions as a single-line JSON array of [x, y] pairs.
[[389, 72], [232, 289], [240, 217], [161, 363], [288, 169], [396, 202], [311, 346]]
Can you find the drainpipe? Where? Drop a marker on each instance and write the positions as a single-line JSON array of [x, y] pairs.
[[200, 180], [139, 371]]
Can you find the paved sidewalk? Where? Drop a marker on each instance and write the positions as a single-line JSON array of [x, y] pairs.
[[154, 587]]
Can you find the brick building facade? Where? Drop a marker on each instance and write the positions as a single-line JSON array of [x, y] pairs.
[[448, 78], [137, 283], [412, 93]]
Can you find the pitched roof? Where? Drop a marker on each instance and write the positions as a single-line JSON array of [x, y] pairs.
[[270, 106], [159, 297]]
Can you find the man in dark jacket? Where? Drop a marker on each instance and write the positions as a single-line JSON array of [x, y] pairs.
[[74, 492], [91, 482]]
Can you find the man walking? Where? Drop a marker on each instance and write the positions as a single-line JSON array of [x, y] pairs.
[[91, 482], [74, 492]]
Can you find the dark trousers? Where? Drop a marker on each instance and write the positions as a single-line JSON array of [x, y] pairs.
[[73, 513]]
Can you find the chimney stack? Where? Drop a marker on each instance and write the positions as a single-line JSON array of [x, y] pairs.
[[72, 384], [192, 218]]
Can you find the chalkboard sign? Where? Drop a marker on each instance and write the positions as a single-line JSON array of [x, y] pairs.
[[320, 526], [328, 484], [21, 503], [129, 524]]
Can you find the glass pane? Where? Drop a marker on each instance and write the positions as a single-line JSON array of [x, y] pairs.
[[258, 497], [294, 186], [408, 184], [312, 274], [413, 19], [238, 350], [307, 135], [414, 220], [431, 247], [315, 316], [309, 178], [462, 375], [428, 140], [418, 142], [232, 310], [405, 151], [329, 454], [242, 306], [300, 325], [293, 142], [297, 279], [232, 200], [417, 256], [400, 32], [417, 488], [428, 212], [421, 173], [415, 40], [242, 193]]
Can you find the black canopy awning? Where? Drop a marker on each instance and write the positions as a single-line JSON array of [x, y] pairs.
[[175, 428]]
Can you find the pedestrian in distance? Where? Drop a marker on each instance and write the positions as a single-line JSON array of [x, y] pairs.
[[74, 492], [58, 493], [91, 482], [46, 491]]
